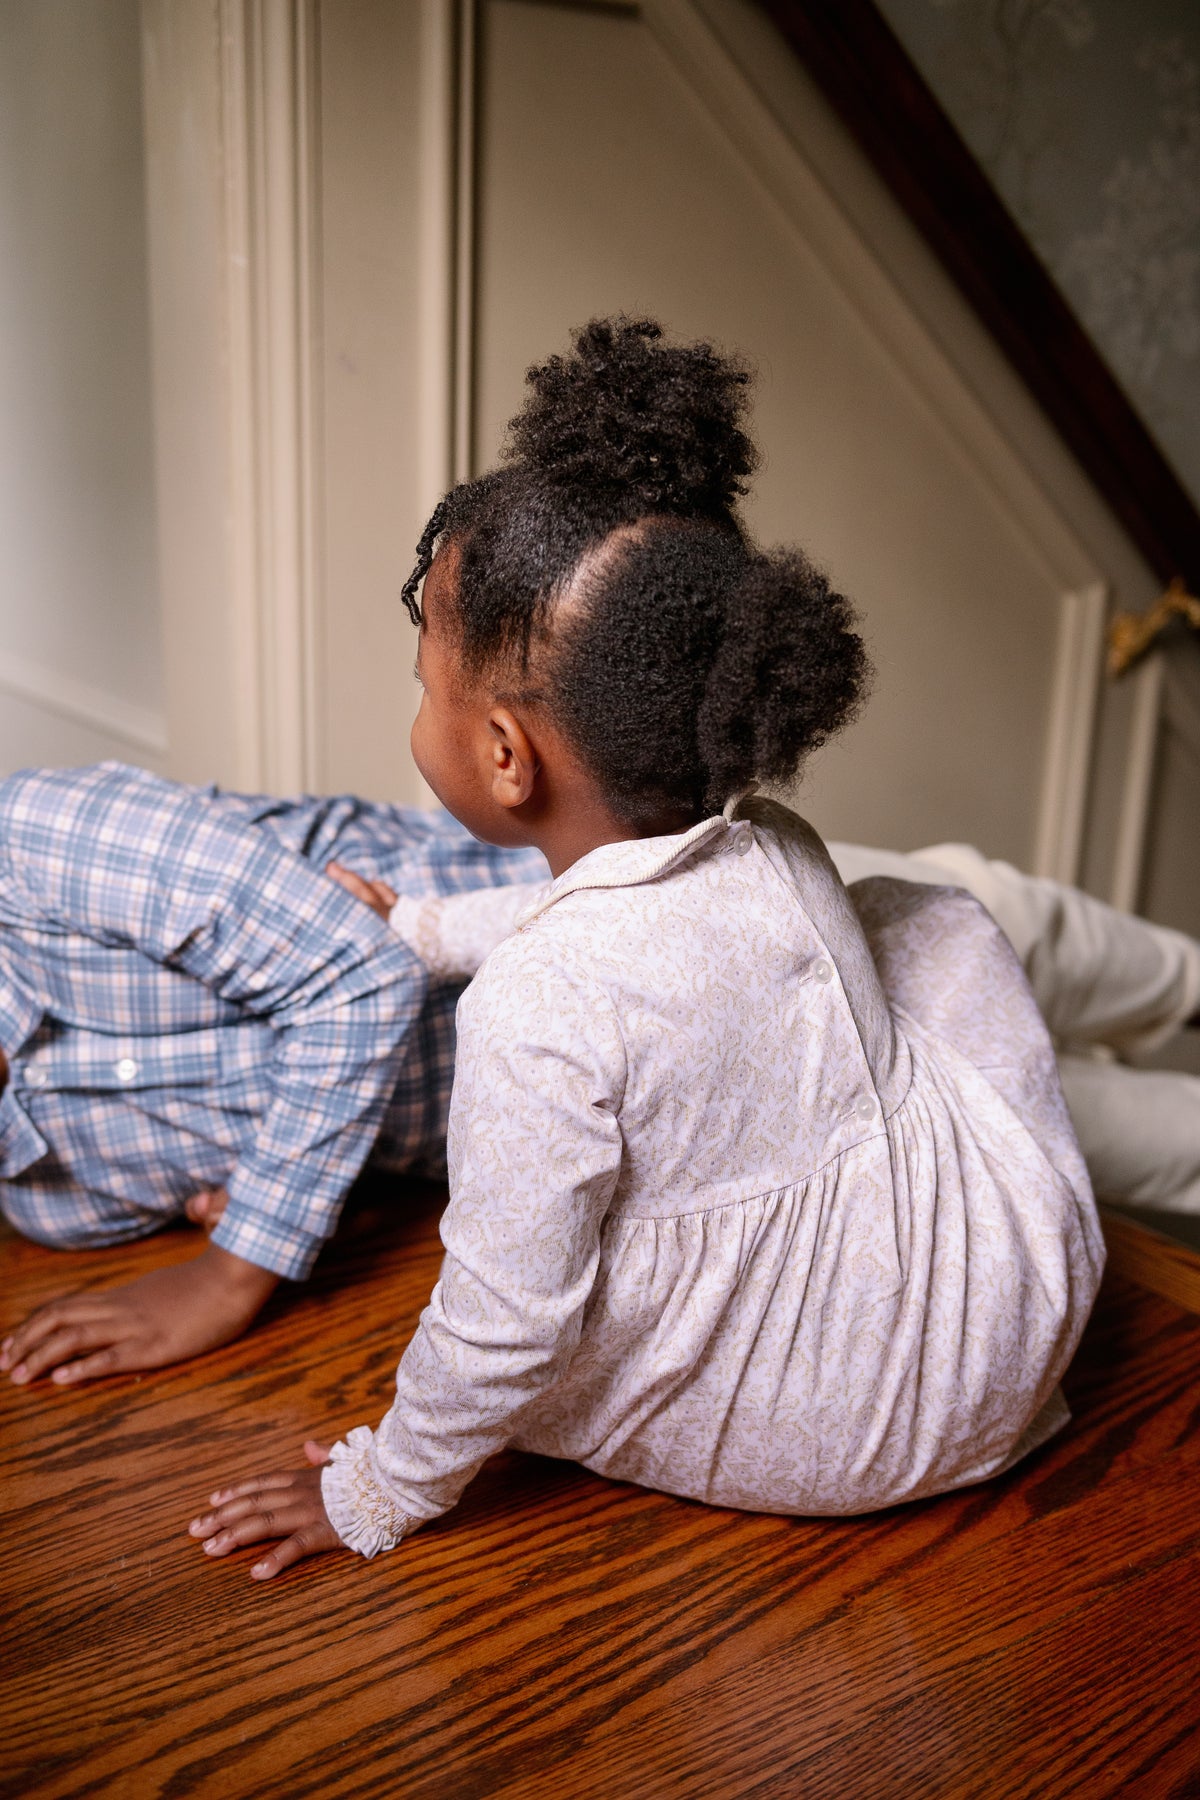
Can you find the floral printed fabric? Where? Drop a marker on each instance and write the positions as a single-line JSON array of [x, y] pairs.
[[755, 1197]]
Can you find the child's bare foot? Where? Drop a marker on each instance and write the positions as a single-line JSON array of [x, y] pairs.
[[206, 1206]]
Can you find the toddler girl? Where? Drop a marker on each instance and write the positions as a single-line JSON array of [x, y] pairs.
[[758, 1195]]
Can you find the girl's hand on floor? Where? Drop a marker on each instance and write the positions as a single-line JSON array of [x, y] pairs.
[[271, 1506], [163, 1317]]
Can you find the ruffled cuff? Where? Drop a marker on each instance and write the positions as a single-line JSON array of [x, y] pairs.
[[416, 921], [359, 1507], [452, 934]]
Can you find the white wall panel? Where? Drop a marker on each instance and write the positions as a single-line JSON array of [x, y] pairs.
[[385, 270], [79, 625], [460, 182], [609, 182]]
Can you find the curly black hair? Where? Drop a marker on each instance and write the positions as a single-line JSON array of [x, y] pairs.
[[605, 574]]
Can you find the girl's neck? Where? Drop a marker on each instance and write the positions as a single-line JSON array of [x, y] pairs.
[[573, 820], [574, 842]]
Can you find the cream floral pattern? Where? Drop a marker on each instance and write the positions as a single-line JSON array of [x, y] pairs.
[[756, 1197]]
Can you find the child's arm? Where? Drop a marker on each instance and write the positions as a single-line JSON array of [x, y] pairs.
[[535, 1152], [535, 1148], [162, 1317], [451, 933], [126, 860]]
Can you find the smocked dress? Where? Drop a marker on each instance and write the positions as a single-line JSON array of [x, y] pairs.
[[759, 1195]]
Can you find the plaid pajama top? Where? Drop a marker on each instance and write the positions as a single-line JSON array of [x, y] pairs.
[[187, 1000]]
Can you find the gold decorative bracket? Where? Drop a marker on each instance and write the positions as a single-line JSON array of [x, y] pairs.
[[1130, 635]]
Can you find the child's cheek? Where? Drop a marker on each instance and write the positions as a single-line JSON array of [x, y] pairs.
[[418, 736], [437, 760]]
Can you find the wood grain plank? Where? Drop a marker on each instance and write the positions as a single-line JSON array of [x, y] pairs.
[[561, 1634], [964, 1645], [1151, 1260]]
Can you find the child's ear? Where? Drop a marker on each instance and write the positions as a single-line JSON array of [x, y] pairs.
[[515, 762]]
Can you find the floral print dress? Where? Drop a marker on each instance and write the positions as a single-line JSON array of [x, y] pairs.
[[760, 1194]]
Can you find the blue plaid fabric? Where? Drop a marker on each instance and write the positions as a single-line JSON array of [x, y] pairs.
[[186, 1000]]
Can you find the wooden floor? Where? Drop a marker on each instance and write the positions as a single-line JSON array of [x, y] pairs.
[[563, 1635]]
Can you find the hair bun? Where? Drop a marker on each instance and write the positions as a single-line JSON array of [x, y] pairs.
[[659, 423], [791, 671]]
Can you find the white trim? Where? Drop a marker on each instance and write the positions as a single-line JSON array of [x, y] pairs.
[[450, 35], [239, 374], [436, 238], [1070, 736], [447, 245], [1138, 792], [465, 207], [268, 123], [82, 704], [446, 256], [446, 297]]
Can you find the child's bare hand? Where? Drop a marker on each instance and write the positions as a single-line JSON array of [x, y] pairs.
[[161, 1318], [375, 894], [271, 1506]]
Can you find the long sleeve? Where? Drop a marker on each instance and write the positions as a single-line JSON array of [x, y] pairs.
[[132, 862], [454, 933], [535, 1150]]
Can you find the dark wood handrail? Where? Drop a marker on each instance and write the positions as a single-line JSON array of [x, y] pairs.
[[865, 73]]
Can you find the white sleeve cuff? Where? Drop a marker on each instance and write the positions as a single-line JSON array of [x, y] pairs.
[[453, 933], [415, 922], [359, 1508]]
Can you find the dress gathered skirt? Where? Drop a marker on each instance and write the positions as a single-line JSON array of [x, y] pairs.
[[763, 1192]]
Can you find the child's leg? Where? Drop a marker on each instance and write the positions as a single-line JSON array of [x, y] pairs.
[[1140, 1129], [1098, 975], [112, 1171], [48, 1206]]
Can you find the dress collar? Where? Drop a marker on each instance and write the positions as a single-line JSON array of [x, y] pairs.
[[634, 861]]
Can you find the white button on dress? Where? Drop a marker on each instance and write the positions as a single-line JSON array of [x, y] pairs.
[[822, 970], [744, 842], [865, 1107], [126, 1069]]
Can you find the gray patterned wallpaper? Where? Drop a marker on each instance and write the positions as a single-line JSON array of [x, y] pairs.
[[1086, 115]]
